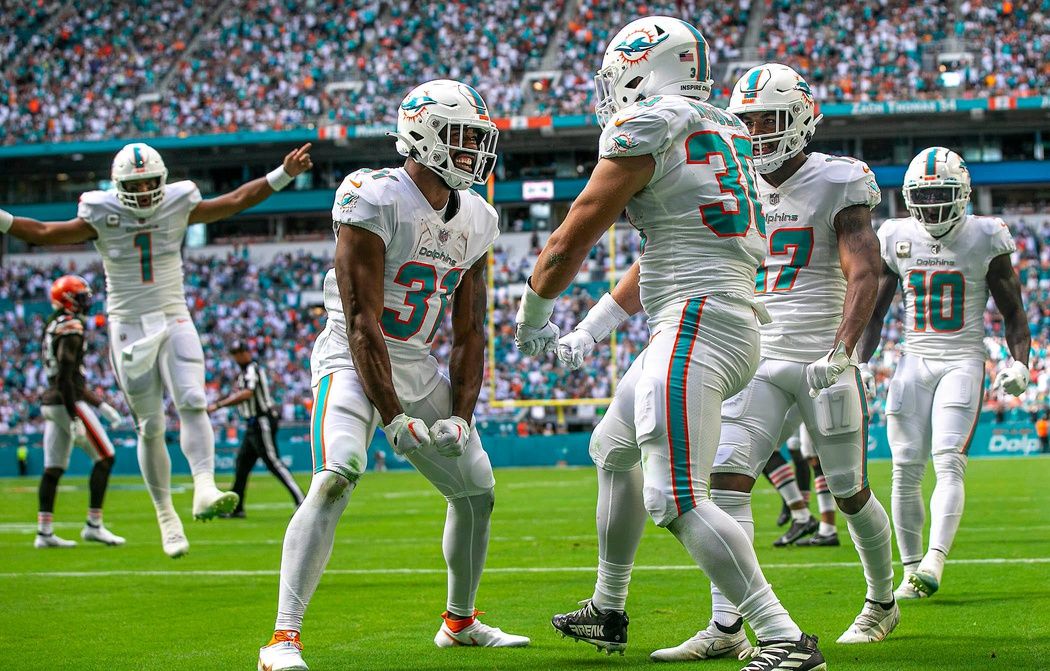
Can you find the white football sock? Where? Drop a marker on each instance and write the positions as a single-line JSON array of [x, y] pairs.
[[465, 545], [949, 497], [909, 510], [825, 501], [933, 563], [308, 545], [870, 530], [155, 463], [197, 441], [738, 506], [620, 518], [720, 546], [827, 529]]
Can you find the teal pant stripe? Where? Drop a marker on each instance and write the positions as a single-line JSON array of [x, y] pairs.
[[678, 406], [865, 418], [317, 424]]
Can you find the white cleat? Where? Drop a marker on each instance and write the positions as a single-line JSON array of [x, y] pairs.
[[478, 634], [52, 541], [873, 624], [283, 653], [172, 537], [906, 591], [925, 582], [100, 534], [212, 502], [706, 644]]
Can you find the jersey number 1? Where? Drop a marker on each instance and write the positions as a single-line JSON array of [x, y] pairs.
[[144, 242]]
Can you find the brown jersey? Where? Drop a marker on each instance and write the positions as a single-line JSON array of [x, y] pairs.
[[61, 325]]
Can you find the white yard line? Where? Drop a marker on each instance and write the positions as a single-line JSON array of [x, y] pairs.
[[504, 569]]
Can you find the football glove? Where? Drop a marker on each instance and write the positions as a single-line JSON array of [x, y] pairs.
[[450, 436], [534, 332], [407, 434], [826, 370], [1013, 379], [110, 414], [867, 379], [602, 320]]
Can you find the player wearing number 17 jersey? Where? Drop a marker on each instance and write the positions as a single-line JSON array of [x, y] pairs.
[[683, 170], [411, 243], [947, 263], [138, 227]]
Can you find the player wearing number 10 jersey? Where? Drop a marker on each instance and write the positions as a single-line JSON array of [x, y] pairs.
[[138, 227], [947, 263]]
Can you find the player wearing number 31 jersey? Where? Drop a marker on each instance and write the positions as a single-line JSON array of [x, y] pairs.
[[138, 227], [947, 262]]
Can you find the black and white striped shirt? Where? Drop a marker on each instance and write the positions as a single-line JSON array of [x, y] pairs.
[[260, 403]]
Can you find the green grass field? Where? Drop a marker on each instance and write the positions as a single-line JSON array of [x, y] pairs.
[[378, 606]]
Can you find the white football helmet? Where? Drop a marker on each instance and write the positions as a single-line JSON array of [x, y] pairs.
[[773, 87], [937, 189], [433, 125], [651, 56], [135, 162]]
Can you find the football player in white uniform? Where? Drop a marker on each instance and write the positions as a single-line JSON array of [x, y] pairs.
[[682, 168], [411, 242], [138, 227], [69, 413], [947, 263], [818, 282]]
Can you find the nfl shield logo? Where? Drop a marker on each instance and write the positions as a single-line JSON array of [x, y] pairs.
[[443, 235], [935, 248], [774, 199]]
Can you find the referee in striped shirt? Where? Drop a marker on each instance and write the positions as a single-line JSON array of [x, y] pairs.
[[256, 406]]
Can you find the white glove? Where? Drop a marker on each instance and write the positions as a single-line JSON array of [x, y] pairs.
[[867, 378], [826, 370], [535, 333], [602, 320], [450, 436], [110, 414], [1013, 379], [407, 434]]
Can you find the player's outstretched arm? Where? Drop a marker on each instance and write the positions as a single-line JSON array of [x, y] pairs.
[[869, 341], [861, 263], [359, 258], [602, 319], [254, 192], [1005, 288], [46, 232], [611, 186]]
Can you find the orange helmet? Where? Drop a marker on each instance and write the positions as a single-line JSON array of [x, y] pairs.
[[72, 294]]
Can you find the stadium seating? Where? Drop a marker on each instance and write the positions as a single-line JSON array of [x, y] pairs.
[[279, 64], [233, 297]]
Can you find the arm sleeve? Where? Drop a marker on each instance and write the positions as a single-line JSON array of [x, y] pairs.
[[859, 188], [889, 255], [1000, 241], [636, 131], [355, 205], [87, 211]]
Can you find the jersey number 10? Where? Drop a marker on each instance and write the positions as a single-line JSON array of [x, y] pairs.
[[930, 299]]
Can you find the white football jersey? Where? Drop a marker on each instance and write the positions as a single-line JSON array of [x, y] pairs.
[[801, 282], [945, 286], [425, 259], [142, 257], [699, 217]]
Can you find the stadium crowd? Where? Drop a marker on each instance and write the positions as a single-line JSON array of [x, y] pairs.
[[268, 305], [187, 68]]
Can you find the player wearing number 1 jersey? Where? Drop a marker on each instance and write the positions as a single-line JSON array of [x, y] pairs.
[[683, 170], [947, 263], [138, 227], [411, 243]]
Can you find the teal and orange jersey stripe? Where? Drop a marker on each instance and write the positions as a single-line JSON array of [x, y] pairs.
[[864, 419], [677, 405]]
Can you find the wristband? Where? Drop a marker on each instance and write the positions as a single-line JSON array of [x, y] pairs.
[[278, 178], [6, 221], [603, 318], [535, 310]]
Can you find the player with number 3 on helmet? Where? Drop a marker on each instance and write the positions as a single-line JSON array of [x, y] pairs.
[[138, 226], [411, 244], [947, 262], [683, 170]]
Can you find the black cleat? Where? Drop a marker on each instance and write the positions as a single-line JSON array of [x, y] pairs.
[[606, 630], [800, 655], [797, 531], [819, 540], [785, 514]]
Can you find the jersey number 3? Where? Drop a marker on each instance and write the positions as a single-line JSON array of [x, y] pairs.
[[732, 216], [421, 281]]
